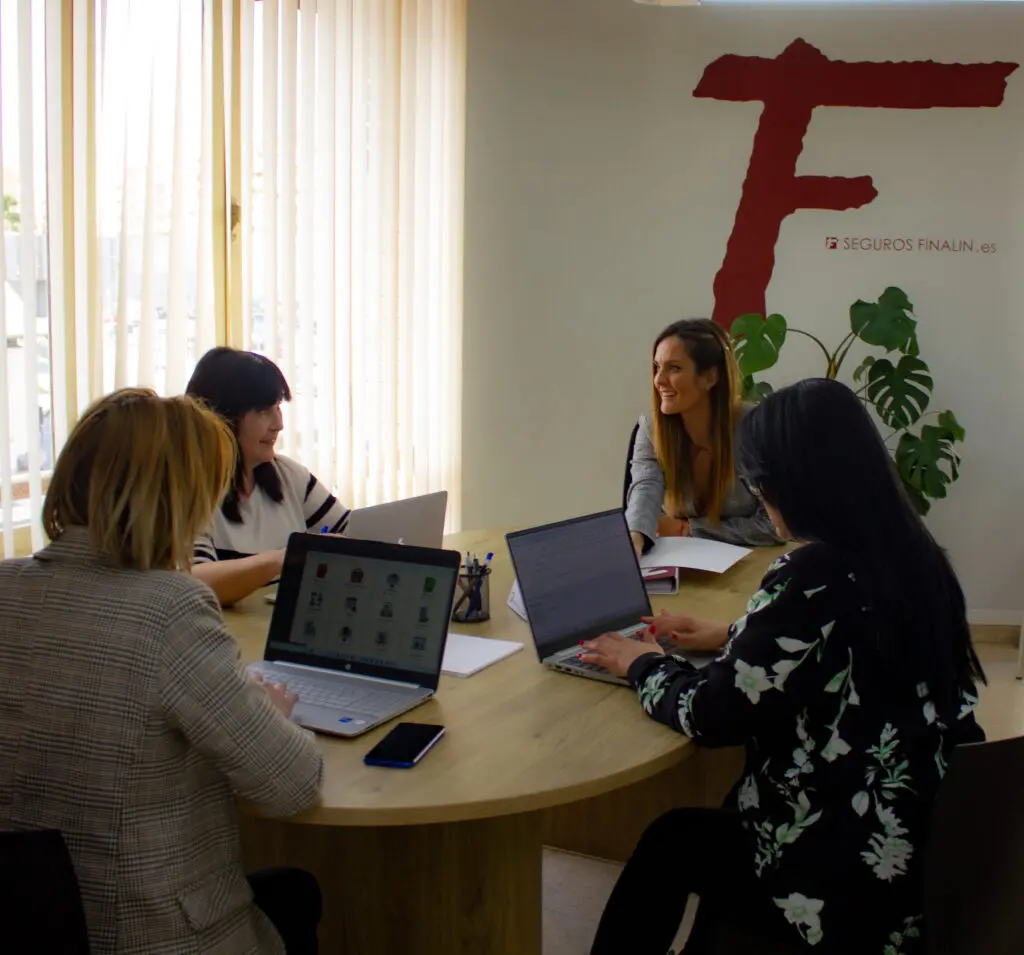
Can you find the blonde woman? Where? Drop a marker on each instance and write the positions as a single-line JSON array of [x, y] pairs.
[[682, 471], [128, 723]]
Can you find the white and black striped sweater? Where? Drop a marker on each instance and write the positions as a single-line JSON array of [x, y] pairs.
[[266, 524]]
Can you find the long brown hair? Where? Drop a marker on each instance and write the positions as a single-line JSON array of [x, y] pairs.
[[144, 474], [709, 347]]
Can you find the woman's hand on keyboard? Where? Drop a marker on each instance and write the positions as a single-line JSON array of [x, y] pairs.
[[279, 695], [689, 633], [616, 653]]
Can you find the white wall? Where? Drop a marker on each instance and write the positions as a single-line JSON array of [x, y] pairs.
[[599, 197]]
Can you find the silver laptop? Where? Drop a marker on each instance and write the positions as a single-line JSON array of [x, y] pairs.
[[578, 579], [359, 629], [418, 521]]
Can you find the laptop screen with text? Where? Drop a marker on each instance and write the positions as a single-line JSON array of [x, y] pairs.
[[578, 578]]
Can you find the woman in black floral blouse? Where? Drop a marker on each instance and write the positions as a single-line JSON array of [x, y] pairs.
[[850, 679]]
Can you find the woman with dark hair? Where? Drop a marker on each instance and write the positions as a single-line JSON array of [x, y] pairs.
[[849, 680], [682, 475], [271, 496]]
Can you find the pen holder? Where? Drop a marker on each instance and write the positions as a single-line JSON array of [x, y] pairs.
[[473, 596]]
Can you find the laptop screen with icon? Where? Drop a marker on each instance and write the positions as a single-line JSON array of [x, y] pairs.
[[364, 607]]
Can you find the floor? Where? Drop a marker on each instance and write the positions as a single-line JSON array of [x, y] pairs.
[[576, 887]]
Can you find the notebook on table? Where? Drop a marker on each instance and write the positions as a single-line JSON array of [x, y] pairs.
[[465, 655], [359, 629], [661, 580]]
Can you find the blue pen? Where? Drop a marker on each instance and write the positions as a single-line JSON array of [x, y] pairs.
[[476, 598]]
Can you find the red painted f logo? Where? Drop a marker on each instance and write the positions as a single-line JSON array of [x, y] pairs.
[[791, 86]]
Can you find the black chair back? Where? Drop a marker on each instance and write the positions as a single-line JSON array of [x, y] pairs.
[[628, 480], [729, 938], [974, 876], [40, 904]]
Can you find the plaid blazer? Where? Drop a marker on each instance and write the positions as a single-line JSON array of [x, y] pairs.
[[127, 723]]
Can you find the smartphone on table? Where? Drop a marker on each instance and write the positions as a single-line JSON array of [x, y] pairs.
[[405, 745]]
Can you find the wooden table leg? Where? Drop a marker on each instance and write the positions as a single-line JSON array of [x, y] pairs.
[[466, 888]]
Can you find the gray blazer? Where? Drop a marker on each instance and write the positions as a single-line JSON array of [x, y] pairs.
[[743, 518], [127, 723]]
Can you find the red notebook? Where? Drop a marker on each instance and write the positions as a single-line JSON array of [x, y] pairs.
[[661, 580]]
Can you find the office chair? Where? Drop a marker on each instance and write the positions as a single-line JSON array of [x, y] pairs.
[[974, 875], [1020, 652], [728, 937], [40, 905], [628, 480]]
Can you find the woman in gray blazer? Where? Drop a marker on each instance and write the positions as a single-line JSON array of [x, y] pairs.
[[683, 480], [126, 721]]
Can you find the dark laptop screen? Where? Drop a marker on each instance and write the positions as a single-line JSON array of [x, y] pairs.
[[364, 613], [578, 578]]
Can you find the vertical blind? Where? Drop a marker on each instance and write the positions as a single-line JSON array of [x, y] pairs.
[[352, 118], [26, 404], [143, 245], [136, 134]]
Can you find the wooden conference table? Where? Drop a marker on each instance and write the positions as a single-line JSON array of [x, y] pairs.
[[445, 859]]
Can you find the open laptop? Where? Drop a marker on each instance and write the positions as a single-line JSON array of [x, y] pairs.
[[418, 521], [578, 579], [359, 629]]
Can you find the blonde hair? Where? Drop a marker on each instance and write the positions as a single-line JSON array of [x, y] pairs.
[[709, 347], [144, 474]]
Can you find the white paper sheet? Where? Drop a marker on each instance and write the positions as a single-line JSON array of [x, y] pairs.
[[465, 655], [696, 553], [515, 601]]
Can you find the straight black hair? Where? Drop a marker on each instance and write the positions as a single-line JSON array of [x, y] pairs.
[[812, 451], [232, 383]]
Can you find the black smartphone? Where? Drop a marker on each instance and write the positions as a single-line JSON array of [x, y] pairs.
[[405, 745]]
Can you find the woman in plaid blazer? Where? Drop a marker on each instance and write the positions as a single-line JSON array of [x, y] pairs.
[[126, 721]]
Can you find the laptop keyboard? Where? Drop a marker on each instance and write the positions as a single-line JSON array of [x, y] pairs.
[[351, 696], [571, 659], [581, 665]]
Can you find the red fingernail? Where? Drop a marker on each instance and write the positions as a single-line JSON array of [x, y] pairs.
[[581, 643], [651, 629]]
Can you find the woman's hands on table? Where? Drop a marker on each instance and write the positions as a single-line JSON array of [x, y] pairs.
[[688, 633]]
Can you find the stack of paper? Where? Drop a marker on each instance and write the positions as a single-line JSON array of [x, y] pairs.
[[695, 553], [465, 655], [515, 601]]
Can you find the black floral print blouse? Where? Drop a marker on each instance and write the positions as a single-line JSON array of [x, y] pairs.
[[842, 761]]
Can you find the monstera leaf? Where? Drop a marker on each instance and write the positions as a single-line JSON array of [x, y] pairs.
[[900, 392], [757, 342], [887, 322], [754, 392], [863, 368], [928, 463]]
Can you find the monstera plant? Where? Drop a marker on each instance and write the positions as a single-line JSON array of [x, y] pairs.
[[897, 385]]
